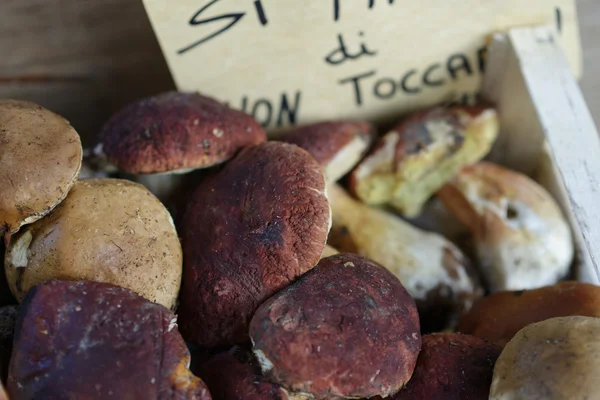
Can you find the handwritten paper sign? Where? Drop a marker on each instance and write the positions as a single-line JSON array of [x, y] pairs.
[[299, 61]]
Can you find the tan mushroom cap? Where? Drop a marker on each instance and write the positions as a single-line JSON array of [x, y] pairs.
[[40, 158], [558, 358], [106, 230]]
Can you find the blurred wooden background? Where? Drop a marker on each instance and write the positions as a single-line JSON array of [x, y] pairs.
[[87, 58]]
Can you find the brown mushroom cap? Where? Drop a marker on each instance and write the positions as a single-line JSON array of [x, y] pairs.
[[346, 328], [106, 230], [558, 358], [176, 131], [248, 231], [499, 316], [234, 374], [89, 340], [452, 366], [8, 319], [337, 145], [40, 158]]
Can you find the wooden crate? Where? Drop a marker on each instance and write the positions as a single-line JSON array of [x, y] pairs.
[[547, 131]]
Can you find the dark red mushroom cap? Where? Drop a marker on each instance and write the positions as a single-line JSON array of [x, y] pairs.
[[236, 375], [337, 145], [89, 340], [452, 366], [347, 328], [176, 131], [248, 231]]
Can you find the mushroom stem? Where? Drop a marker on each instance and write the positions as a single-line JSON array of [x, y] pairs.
[[5, 232], [161, 185]]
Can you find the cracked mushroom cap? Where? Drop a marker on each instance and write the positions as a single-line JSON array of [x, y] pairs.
[[416, 158], [248, 231], [40, 158], [95, 340], [347, 328], [106, 230], [176, 132], [337, 145], [521, 237]]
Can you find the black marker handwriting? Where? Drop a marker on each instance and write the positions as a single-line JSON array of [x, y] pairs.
[[233, 18], [341, 53]]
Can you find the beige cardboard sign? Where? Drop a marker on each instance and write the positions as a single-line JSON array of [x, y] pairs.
[[290, 62]]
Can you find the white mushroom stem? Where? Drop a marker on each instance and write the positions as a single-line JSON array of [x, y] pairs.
[[421, 260]]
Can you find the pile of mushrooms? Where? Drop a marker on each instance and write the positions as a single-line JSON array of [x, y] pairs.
[[187, 256]]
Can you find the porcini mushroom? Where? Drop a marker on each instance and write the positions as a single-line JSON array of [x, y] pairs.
[[248, 231], [106, 230], [433, 270], [336, 145], [521, 237], [412, 161], [158, 138], [84, 340], [235, 374], [452, 366], [558, 358], [346, 329], [499, 316], [40, 158]]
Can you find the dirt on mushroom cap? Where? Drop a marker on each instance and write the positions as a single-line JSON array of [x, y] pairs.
[[40, 158], [107, 230]]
